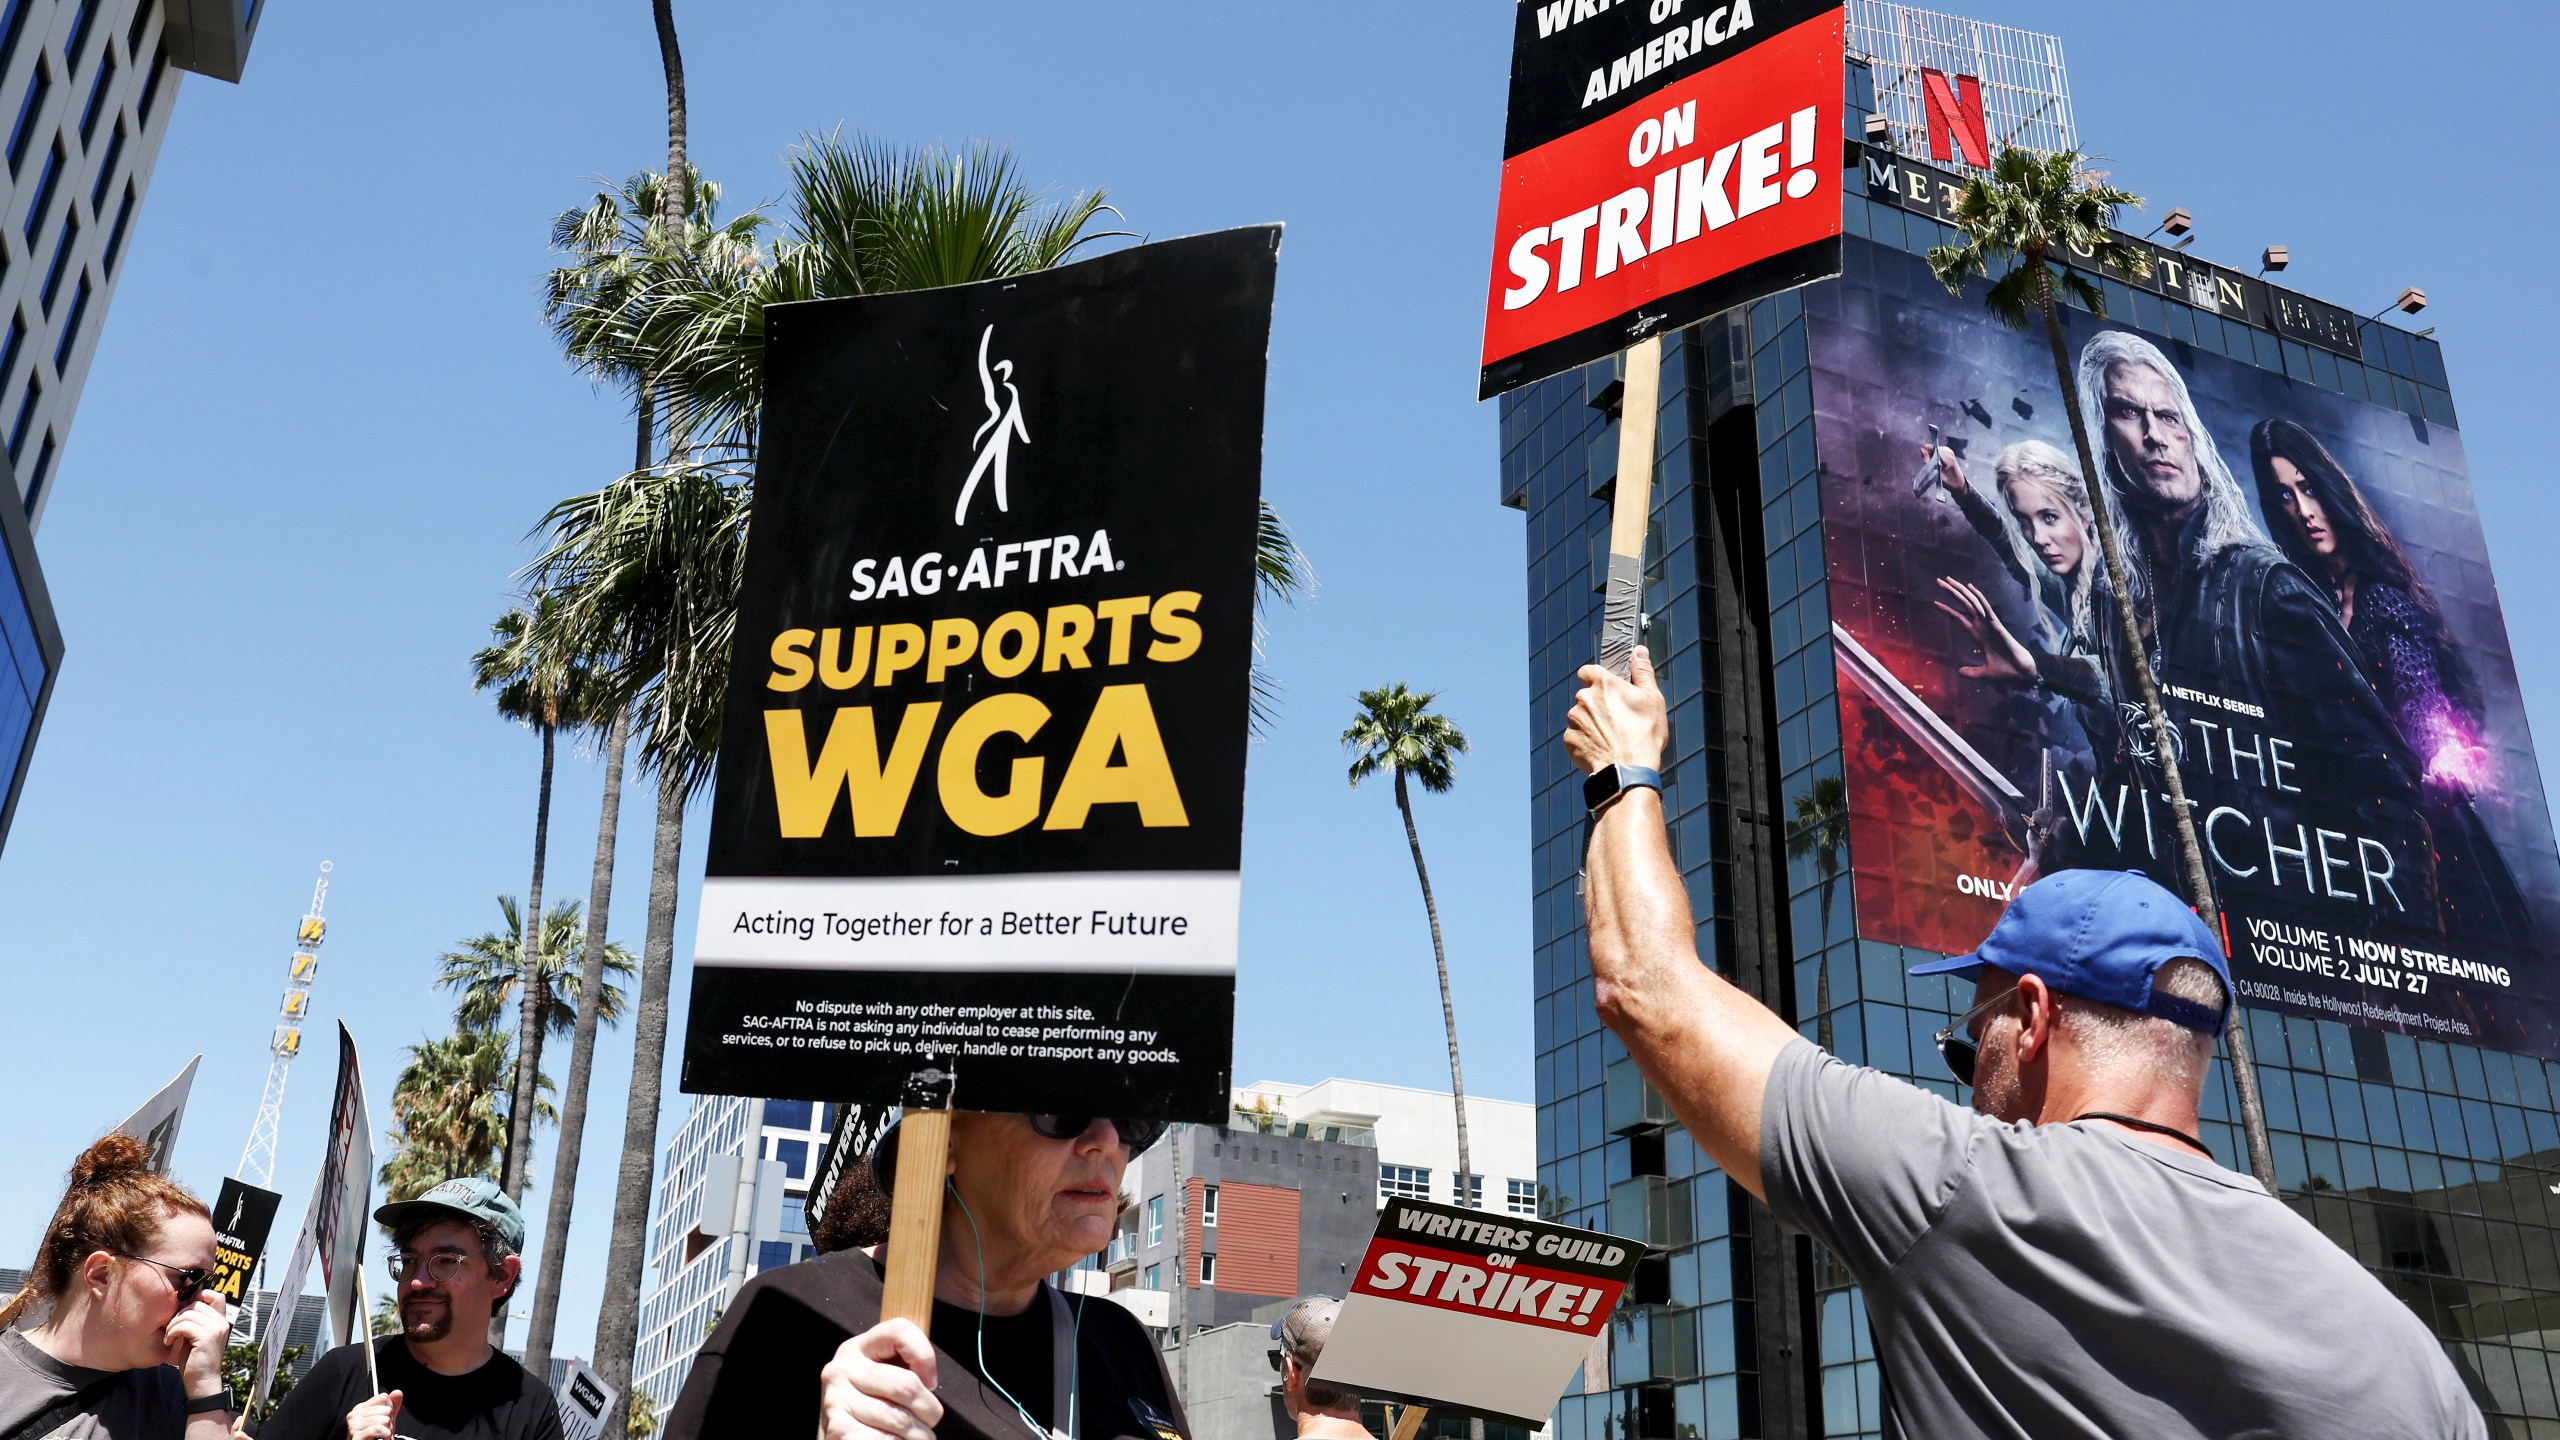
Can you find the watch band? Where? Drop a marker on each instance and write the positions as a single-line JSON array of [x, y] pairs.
[[1611, 781], [208, 1404]]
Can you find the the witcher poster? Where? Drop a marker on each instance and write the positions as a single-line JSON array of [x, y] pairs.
[[2309, 580]]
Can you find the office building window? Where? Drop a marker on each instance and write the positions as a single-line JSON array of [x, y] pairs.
[[26, 416], [1413, 1182], [22, 136], [133, 32], [13, 23], [83, 21], [36, 477], [795, 1215], [794, 1155], [1523, 1199], [71, 327], [9, 351], [97, 105], [1155, 1219], [1209, 1206], [44, 191], [789, 1114], [107, 170], [1209, 1268], [1155, 1277], [61, 259], [115, 235], [770, 1253], [151, 85]]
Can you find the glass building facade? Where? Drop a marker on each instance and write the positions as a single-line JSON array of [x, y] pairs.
[[2436, 1165]]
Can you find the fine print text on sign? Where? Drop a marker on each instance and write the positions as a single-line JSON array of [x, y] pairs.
[[1470, 1311], [981, 789], [1663, 161]]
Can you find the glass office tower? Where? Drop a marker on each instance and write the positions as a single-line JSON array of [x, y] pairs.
[[2436, 1164]]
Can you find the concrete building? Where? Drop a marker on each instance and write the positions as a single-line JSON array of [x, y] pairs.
[[1229, 1225], [733, 1189], [86, 91]]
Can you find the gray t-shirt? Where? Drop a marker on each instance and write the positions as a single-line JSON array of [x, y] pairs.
[[145, 1404], [2067, 1280]]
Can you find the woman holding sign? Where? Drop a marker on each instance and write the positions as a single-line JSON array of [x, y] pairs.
[[132, 1344], [803, 1349]]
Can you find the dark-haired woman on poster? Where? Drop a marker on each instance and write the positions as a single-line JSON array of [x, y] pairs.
[[2323, 523]]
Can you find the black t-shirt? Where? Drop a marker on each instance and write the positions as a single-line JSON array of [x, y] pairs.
[[758, 1373], [498, 1401]]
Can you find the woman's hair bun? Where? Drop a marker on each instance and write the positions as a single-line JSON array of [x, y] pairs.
[[112, 1157]]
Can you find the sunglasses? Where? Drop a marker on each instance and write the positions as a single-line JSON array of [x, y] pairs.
[[1957, 1047], [187, 1280], [1135, 1134]]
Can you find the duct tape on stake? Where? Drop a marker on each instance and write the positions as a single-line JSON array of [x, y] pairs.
[[1622, 607]]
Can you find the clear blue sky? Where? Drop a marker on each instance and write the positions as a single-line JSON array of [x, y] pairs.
[[324, 414]]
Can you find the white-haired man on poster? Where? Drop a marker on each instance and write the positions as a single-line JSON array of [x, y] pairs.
[[2065, 1258], [2297, 741]]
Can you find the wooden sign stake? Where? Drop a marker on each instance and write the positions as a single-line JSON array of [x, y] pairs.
[[1409, 1422], [364, 1333], [915, 1201], [1622, 607]]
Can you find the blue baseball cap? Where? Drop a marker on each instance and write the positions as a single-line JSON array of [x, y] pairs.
[[2101, 935]]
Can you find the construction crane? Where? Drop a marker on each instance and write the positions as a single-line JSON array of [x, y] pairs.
[[258, 1162]]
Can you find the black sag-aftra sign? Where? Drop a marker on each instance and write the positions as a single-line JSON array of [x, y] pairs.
[[981, 783]]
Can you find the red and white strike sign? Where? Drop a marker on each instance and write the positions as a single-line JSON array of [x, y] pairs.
[[1663, 161], [1471, 1311]]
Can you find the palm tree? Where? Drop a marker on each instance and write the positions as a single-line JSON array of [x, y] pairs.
[[644, 1417], [448, 1109], [1394, 730], [616, 258], [1821, 833], [2022, 221], [537, 683], [486, 974]]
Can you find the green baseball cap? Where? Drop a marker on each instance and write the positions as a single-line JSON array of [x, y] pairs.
[[470, 1197]]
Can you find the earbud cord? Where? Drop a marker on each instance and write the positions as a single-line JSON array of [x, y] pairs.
[[978, 1243]]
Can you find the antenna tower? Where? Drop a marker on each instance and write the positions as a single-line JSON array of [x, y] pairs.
[[258, 1162]]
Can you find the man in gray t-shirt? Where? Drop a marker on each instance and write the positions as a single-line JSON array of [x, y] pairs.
[[2065, 1259]]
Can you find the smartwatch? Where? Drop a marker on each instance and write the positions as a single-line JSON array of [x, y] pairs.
[[219, 1400], [1610, 781]]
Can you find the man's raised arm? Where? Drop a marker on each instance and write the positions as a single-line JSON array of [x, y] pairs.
[[1704, 1044]]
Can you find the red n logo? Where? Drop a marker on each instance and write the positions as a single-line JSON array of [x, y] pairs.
[[1955, 110]]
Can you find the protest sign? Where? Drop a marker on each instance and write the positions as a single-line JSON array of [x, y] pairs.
[[1660, 163], [242, 1216], [156, 1123], [981, 782], [333, 1228], [1470, 1311], [584, 1399]]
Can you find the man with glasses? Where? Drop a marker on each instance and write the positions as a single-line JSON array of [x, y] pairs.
[[802, 1349], [2065, 1258], [453, 1262]]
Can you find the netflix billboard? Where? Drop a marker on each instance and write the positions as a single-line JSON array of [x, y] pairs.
[[2312, 587], [1662, 161]]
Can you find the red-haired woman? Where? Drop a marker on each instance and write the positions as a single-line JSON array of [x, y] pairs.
[[129, 1344]]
